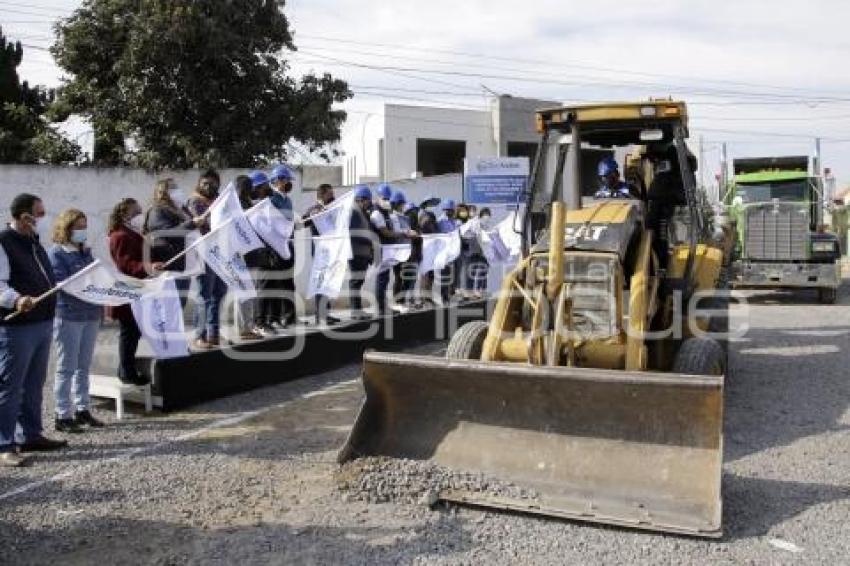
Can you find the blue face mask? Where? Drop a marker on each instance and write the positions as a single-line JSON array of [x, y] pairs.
[[79, 236]]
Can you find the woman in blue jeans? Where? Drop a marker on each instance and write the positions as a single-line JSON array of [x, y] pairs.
[[75, 327]]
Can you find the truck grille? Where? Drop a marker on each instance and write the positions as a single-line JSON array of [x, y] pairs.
[[777, 231]]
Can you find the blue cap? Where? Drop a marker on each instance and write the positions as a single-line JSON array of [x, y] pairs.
[[281, 172], [448, 204], [258, 178], [385, 191], [608, 166], [397, 198], [362, 191], [409, 206]]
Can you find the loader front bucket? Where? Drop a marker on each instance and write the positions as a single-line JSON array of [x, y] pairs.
[[638, 449]]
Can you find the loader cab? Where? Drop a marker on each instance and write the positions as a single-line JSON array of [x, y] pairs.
[[649, 141]]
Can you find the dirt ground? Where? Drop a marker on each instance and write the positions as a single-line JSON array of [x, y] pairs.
[[251, 479]]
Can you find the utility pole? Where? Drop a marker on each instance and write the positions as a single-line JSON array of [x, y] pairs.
[[702, 162], [724, 171]]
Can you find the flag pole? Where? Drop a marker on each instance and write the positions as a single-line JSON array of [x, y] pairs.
[[46, 295]]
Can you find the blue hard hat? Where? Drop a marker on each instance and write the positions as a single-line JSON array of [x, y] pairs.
[[448, 204], [281, 172], [258, 178], [385, 191], [396, 198], [362, 191], [608, 166]]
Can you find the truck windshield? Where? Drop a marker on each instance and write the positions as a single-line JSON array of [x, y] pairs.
[[796, 191]]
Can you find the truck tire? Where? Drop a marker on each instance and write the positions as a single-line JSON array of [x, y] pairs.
[[467, 342], [700, 356], [827, 295]]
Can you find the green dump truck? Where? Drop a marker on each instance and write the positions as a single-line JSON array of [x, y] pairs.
[[777, 205]]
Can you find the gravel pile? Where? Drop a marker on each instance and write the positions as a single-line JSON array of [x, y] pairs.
[[385, 480]]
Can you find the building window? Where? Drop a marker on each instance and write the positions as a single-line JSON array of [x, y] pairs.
[[523, 149], [439, 157]]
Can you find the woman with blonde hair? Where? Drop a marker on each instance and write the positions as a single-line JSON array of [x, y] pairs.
[[167, 223], [75, 327]]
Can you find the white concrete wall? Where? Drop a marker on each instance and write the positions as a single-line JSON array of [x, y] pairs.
[[403, 125]]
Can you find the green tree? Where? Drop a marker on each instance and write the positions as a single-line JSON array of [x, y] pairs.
[[25, 136], [192, 83]]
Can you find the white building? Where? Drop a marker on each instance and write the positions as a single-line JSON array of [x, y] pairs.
[[404, 142]]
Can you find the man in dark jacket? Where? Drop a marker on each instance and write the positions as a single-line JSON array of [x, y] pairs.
[[25, 275]]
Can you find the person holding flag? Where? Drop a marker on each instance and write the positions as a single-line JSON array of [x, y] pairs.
[[405, 273], [126, 246], [25, 274], [167, 224], [282, 310], [362, 249], [446, 224], [324, 198], [212, 288], [76, 327], [380, 222]]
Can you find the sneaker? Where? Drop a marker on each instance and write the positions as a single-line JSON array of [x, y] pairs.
[[43, 444], [204, 345], [85, 418], [265, 331], [12, 460], [69, 426], [250, 335]]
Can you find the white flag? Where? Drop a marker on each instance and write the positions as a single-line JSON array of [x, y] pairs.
[[507, 232], [393, 254], [330, 265], [493, 247], [222, 250], [336, 218], [439, 250], [101, 284], [159, 316], [225, 207], [272, 226]]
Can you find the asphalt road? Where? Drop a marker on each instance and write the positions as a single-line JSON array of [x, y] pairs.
[[250, 479]]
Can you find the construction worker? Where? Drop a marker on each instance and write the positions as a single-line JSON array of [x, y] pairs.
[[612, 185]]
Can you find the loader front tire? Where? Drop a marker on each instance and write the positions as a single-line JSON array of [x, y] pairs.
[[700, 356], [467, 342]]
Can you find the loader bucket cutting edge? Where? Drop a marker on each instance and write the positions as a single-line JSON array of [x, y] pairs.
[[638, 449]]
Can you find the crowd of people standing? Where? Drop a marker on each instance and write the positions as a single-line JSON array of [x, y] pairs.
[[147, 242]]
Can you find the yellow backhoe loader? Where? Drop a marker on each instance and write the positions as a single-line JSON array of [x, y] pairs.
[[598, 381]]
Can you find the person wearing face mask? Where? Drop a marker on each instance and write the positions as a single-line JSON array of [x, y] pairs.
[[166, 224], [126, 246], [478, 268], [363, 243], [25, 274], [76, 326], [212, 288], [446, 224], [280, 307]]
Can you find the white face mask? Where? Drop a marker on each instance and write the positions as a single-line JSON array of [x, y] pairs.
[[79, 236], [137, 223], [178, 197]]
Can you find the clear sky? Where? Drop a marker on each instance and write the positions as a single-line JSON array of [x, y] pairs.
[[764, 76]]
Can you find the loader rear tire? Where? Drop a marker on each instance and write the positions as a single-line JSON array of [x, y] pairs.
[[700, 356], [467, 342]]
